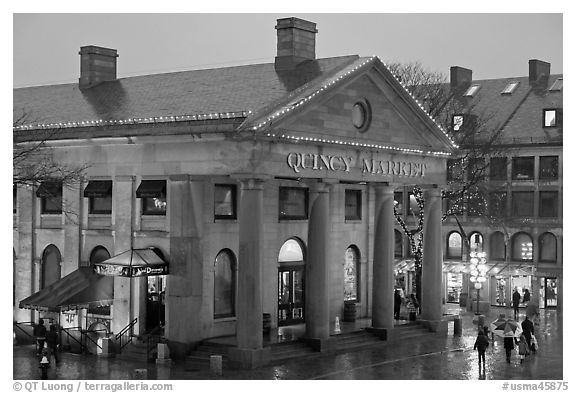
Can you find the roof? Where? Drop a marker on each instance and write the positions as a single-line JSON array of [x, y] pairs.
[[230, 89], [517, 115]]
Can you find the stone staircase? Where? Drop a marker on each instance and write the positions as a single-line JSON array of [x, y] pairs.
[[412, 330], [201, 355], [136, 351]]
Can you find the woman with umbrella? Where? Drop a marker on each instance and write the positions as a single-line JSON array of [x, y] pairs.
[[510, 330]]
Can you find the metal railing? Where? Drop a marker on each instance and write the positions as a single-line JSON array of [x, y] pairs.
[[84, 337], [124, 337], [18, 326]]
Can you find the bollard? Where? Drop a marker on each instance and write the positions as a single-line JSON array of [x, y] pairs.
[[216, 365], [458, 326], [337, 326], [141, 373]]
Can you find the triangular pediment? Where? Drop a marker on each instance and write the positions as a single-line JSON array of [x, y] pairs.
[[363, 106]]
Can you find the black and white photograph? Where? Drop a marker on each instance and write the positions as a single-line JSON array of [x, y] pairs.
[[207, 196]]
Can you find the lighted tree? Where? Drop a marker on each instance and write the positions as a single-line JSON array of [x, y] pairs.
[[476, 138]]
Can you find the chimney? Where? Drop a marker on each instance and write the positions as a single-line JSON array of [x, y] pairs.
[[460, 77], [97, 65], [538, 69], [296, 43]]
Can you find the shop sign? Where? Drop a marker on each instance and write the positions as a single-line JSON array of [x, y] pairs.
[[133, 271], [311, 161]]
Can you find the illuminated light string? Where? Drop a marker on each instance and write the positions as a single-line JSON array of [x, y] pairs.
[[287, 109], [354, 144], [136, 120]]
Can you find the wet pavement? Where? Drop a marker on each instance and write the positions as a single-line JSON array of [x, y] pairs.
[[429, 358]]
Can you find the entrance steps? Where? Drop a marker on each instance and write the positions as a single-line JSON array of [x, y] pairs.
[[355, 341], [201, 355], [412, 330], [136, 351], [289, 350]]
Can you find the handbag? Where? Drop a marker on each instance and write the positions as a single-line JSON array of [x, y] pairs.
[[534, 343]]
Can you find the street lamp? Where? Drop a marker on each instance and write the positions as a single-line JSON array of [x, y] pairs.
[[477, 274]]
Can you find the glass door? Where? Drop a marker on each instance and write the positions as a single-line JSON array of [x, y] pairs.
[[290, 295], [551, 292]]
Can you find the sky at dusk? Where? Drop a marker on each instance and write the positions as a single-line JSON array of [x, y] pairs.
[[45, 46]]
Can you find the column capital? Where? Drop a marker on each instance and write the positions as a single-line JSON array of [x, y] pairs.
[[320, 185], [126, 178]]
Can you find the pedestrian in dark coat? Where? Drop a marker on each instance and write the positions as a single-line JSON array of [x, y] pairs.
[[40, 335], [397, 304], [516, 302], [481, 344], [509, 344], [526, 297], [528, 330], [52, 343]]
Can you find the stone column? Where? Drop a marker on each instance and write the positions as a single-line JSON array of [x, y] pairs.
[[185, 316], [250, 352], [432, 260], [122, 203], [383, 266], [26, 264], [317, 311], [72, 199]]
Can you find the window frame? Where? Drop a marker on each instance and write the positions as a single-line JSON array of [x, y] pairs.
[[448, 248], [233, 283], [459, 116], [557, 117], [514, 203], [287, 217], [503, 211], [556, 169], [556, 194], [144, 200], [234, 202], [492, 172], [357, 194], [516, 161], [542, 248]]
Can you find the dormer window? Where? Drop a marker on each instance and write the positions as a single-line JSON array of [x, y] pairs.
[[551, 117], [471, 90], [457, 122], [510, 87], [557, 85]]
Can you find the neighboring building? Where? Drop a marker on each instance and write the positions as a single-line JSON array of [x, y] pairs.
[[259, 189], [516, 217]]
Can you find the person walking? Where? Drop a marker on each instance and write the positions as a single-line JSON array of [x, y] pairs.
[[509, 344], [40, 336], [526, 297], [415, 302], [527, 330], [480, 345], [397, 304], [516, 302], [52, 343], [523, 348]]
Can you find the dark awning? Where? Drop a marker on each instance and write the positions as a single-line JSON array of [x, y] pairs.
[[80, 289], [133, 263], [98, 189], [49, 189], [151, 189]]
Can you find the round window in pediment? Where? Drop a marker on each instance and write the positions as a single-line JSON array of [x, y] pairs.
[[361, 115]]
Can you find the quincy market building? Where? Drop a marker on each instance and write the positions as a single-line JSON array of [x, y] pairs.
[[257, 189]]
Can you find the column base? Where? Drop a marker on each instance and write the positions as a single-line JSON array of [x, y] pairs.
[[437, 326], [388, 334], [241, 358], [319, 344]]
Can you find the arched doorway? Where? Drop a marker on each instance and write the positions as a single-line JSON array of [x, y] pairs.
[[291, 283], [51, 264]]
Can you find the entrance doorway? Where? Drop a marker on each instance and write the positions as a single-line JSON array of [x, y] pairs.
[[291, 283]]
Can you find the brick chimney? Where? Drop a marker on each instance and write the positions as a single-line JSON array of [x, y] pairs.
[[97, 65], [296, 43], [460, 77], [538, 70]]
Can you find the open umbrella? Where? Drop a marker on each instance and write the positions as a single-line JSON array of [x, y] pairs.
[[506, 328]]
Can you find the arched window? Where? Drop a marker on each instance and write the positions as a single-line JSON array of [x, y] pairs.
[[454, 245], [51, 260], [522, 247], [476, 242], [497, 246], [99, 254], [351, 273], [397, 243], [547, 243], [225, 284]]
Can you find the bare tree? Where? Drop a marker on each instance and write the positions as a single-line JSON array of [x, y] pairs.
[[477, 139]]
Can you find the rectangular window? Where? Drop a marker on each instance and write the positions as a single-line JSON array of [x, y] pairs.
[[293, 203], [523, 168], [498, 168], [225, 202], [475, 203], [523, 203], [472, 90], [498, 204], [548, 204], [50, 193], [557, 85], [476, 169], [353, 204], [153, 196], [399, 202], [99, 193], [551, 117], [549, 167], [457, 122]]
